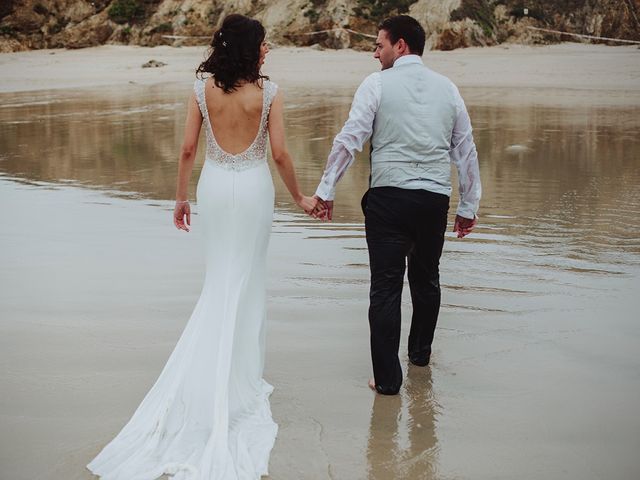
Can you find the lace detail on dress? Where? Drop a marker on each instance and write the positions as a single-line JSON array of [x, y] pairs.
[[253, 156]]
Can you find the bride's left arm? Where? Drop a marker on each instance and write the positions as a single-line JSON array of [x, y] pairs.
[[185, 164], [281, 156]]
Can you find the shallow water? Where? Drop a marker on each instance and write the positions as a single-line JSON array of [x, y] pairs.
[[535, 365], [547, 174], [560, 186]]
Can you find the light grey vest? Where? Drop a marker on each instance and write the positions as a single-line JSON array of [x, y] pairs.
[[412, 130]]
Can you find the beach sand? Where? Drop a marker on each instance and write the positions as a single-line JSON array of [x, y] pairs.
[[527, 381], [564, 74]]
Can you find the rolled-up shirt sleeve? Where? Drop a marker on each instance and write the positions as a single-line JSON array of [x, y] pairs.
[[355, 132], [464, 156]]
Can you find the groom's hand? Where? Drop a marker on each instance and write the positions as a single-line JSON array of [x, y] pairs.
[[463, 226], [328, 209], [323, 210]]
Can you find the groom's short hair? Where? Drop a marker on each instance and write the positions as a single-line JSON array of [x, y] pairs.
[[407, 28]]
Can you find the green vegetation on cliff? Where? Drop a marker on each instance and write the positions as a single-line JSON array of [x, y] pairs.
[[378, 10], [126, 11]]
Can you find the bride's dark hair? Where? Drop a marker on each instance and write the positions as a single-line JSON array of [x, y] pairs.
[[235, 53]]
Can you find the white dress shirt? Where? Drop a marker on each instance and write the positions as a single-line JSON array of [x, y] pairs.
[[359, 127]]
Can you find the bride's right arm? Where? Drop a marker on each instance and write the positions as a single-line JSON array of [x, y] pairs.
[[185, 164], [281, 156]]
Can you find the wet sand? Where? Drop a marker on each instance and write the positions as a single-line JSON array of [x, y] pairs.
[[534, 371], [535, 367]]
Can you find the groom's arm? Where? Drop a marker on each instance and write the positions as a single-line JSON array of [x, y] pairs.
[[355, 132], [464, 156]]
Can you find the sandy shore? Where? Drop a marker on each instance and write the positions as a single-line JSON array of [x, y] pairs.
[[564, 74]]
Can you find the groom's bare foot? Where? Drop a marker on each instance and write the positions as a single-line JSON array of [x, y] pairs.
[[372, 384]]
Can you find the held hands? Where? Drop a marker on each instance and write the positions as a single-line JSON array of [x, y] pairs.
[[181, 210], [463, 226], [308, 204], [316, 207], [323, 209]]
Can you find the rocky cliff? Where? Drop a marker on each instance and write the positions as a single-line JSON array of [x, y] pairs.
[[33, 24]]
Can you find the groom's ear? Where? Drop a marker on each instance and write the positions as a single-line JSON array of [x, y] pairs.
[[402, 46]]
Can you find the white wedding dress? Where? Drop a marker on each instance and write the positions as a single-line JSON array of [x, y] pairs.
[[207, 417]]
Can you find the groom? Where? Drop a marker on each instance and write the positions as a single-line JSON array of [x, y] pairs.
[[418, 125]]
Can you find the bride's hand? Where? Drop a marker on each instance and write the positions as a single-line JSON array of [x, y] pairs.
[[307, 203], [182, 210]]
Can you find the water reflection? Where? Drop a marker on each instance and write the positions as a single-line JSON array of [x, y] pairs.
[[123, 142], [573, 186], [559, 180], [402, 433]]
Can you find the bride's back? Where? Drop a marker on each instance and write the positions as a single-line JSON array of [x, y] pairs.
[[235, 117]]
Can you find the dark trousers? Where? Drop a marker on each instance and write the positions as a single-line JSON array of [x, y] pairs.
[[401, 224]]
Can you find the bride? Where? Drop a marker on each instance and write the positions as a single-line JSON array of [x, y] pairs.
[[207, 417]]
